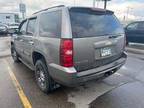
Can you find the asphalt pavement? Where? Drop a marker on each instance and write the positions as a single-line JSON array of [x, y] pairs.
[[4, 46], [124, 85], [124, 89], [129, 95]]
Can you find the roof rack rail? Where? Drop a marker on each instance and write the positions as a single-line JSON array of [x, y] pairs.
[[49, 8]]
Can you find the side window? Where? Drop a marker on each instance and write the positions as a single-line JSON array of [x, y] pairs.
[[50, 24], [31, 26], [23, 28], [133, 26], [141, 26]]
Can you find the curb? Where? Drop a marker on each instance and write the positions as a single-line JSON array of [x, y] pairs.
[[134, 50]]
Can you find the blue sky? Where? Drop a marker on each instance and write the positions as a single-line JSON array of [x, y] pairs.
[[136, 8], [120, 7]]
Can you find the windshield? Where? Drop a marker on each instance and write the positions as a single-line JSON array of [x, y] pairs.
[[92, 24]]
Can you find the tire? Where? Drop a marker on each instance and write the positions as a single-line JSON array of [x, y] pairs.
[[43, 79], [14, 55]]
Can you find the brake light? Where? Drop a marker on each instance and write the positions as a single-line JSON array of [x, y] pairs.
[[66, 52]]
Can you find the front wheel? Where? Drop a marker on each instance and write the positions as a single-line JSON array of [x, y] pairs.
[[14, 54]]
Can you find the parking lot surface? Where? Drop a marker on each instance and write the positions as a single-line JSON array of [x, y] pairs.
[[122, 87]]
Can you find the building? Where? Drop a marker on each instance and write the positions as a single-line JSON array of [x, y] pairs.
[[9, 18]]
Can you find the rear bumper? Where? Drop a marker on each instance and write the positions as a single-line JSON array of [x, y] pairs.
[[70, 77]]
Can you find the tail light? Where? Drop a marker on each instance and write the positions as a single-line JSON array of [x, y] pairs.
[[66, 52]]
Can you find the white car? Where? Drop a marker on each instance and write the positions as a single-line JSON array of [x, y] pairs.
[[3, 28], [12, 28]]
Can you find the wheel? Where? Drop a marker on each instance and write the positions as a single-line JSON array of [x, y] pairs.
[[43, 79], [14, 54]]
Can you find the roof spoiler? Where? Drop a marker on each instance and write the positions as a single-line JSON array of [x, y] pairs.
[[49, 8], [91, 10]]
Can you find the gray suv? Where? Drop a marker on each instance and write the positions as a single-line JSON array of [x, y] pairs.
[[70, 45]]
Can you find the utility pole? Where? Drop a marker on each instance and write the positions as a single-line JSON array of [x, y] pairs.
[[74, 2], [105, 4], [127, 13], [94, 2], [22, 8], [97, 3], [23, 15]]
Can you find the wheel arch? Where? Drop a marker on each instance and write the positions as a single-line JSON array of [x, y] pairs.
[[36, 56]]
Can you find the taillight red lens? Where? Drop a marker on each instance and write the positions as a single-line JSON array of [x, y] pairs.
[[66, 52]]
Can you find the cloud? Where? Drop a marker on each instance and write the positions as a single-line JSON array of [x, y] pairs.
[[134, 8], [120, 7]]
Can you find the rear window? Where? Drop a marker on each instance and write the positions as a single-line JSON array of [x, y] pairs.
[[93, 23]]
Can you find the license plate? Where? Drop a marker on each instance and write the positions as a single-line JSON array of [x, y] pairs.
[[106, 52]]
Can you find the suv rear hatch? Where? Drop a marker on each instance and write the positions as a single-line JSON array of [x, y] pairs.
[[98, 37]]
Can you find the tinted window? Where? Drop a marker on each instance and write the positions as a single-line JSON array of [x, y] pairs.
[[91, 24], [7, 17], [141, 26], [132, 26], [31, 26], [50, 24], [23, 28]]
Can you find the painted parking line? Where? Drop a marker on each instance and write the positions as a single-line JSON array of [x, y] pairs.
[[19, 89]]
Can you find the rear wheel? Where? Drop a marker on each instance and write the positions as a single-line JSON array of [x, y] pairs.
[[43, 79], [14, 55]]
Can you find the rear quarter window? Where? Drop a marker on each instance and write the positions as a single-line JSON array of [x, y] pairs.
[[50, 24], [93, 24]]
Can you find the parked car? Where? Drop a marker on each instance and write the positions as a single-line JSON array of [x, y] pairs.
[[3, 28], [70, 45], [135, 32], [13, 28]]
